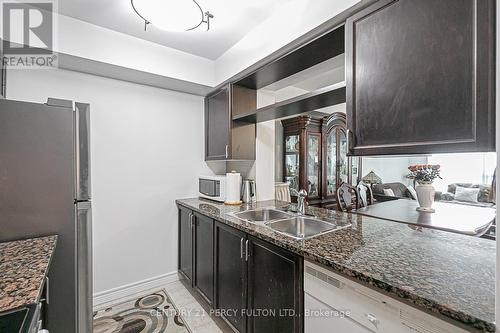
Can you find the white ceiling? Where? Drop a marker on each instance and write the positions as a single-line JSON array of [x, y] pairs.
[[233, 20]]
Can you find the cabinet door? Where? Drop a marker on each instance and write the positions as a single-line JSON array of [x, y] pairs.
[[275, 283], [217, 125], [185, 261], [230, 275], [420, 77], [204, 256]]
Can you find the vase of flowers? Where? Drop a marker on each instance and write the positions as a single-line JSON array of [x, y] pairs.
[[424, 175]]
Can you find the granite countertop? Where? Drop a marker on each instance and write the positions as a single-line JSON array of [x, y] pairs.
[[23, 268], [450, 275]]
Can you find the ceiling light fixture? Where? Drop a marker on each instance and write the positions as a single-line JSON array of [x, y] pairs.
[[171, 15]]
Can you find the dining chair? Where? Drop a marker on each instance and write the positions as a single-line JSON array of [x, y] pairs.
[[282, 192], [347, 198], [365, 194]]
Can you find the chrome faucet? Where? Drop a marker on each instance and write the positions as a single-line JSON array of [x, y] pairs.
[[301, 200]]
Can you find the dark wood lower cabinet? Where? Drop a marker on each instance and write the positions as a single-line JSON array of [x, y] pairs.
[[204, 256], [257, 287], [275, 289], [230, 275], [185, 262]]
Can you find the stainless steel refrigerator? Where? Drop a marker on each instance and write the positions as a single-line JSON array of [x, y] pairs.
[[45, 189]]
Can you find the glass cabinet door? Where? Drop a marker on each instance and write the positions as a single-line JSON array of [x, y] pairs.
[[331, 163], [292, 163], [343, 165], [313, 152]]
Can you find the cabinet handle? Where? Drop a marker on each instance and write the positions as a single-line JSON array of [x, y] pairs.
[[47, 289], [227, 151], [191, 218], [246, 250], [241, 248], [350, 140]]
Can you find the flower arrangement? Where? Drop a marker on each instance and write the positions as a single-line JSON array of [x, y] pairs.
[[424, 172]]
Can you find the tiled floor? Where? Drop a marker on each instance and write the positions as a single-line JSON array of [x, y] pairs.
[[193, 313], [198, 320]]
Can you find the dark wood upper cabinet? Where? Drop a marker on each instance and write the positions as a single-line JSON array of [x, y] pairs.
[[217, 125], [204, 256], [226, 139], [185, 260], [275, 283], [420, 77]]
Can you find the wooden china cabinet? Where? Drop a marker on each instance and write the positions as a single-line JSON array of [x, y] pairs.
[[338, 168], [315, 157]]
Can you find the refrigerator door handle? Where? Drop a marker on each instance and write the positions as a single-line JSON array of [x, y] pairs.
[[82, 151], [84, 267]]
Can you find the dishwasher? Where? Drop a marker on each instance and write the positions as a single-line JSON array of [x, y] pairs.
[[334, 304]]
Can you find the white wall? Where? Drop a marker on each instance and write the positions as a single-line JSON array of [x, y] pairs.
[[264, 160], [108, 46], [82, 39], [391, 169], [147, 150], [264, 167]]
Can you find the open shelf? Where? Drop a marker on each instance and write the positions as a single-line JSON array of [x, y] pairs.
[[328, 96], [321, 49]]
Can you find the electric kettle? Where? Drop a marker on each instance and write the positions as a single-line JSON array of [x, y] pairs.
[[248, 191]]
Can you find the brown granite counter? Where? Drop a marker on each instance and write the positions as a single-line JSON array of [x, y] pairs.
[[450, 275], [23, 267]]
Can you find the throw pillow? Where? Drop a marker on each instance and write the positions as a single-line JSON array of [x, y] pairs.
[[389, 192], [413, 193], [453, 187], [466, 194], [447, 196], [484, 193]]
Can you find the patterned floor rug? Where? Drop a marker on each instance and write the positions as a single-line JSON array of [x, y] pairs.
[[154, 313]]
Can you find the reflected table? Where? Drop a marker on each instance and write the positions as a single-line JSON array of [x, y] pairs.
[[462, 219]]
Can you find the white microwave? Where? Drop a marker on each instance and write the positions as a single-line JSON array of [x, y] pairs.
[[212, 187]]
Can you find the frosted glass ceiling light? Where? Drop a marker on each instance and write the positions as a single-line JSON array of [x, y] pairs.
[[171, 15]]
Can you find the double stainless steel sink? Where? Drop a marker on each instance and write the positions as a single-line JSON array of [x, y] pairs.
[[289, 224]]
